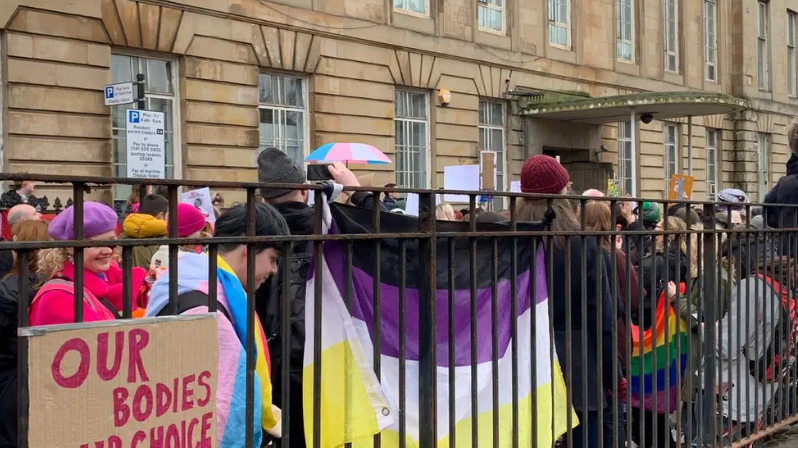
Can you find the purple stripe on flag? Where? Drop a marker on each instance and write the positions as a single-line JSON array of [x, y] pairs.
[[362, 309]]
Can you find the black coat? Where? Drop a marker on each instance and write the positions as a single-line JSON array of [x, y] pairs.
[[784, 192], [9, 301], [596, 325], [299, 217]]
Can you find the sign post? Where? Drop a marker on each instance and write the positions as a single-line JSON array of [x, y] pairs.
[[123, 383], [146, 148]]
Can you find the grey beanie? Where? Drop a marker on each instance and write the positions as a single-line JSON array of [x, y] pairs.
[[276, 166], [758, 222]]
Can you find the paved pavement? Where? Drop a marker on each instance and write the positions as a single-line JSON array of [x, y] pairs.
[[786, 438]]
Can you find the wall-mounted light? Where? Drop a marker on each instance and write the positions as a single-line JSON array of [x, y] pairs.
[[444, 96]]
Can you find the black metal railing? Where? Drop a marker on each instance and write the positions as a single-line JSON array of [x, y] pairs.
[[727, 379]]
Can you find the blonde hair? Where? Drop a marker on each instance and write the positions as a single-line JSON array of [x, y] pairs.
[[51, 261], [564, 215], [674, 224], [444, 211]]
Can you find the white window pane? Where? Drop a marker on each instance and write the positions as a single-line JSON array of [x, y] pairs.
[[159, 76], [292, 92], [266, 92], [268, 128], [563, 12], [497, 116], [121, 69], [483, 106], [418, 6]]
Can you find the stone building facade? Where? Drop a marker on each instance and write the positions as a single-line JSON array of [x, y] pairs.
[[234, 76]]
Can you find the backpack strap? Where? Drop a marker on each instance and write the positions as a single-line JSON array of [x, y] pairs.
[[193, 299]]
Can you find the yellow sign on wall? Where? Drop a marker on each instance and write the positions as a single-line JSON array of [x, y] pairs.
[[681, 187]]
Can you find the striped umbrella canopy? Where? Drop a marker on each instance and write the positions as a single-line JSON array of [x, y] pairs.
[[356, 153]]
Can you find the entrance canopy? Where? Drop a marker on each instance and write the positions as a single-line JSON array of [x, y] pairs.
[[660, 105]]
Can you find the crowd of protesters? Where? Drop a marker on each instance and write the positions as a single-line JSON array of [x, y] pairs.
[[645, 267]]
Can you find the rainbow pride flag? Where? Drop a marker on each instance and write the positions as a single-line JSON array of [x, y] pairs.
[[659, 370]]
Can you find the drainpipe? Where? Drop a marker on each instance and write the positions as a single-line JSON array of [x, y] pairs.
[[633, 121], [690, 145]]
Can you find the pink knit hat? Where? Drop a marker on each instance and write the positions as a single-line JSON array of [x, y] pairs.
[[189, 220]]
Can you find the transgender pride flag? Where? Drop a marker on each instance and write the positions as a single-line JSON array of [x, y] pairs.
[[355, 405]]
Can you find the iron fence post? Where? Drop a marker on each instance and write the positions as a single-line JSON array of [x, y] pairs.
[[709, 410], [426, 320]]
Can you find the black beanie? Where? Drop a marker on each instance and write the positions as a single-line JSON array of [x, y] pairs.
[[276, 166]]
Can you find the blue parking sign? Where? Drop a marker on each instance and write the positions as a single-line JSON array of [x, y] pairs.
[[133, 116], [109, 91]]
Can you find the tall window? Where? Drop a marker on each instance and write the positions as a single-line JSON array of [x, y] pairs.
[[625, 168], [412, 6], [763, 30], [625, 35], [671, 152], [763, 166], [491, 138], [412, 141], [282, 114], [710, 40], [671, 34], [792, 70], [490, 15], [160, 95], [560, 23], [712, 162]]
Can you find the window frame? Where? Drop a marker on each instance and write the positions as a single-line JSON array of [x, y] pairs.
[[567, 25], [792, 55], [626, 169], [486, 4], [176, 119], [763, 43], [763, 164], [402, 10], [619, 41], [502, 184], [712, 185], [666, 155], [666, 34], [427, 135], [284, 108], [711, 43]]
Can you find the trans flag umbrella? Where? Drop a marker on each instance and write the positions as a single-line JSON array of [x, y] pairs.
[[356, 153]]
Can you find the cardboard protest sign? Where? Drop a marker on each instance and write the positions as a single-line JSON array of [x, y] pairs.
[[201, 199], [145, 383], [680, 187], [487, 170]]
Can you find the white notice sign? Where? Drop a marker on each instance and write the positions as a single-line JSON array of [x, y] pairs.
[[146, 151], [116, 94]]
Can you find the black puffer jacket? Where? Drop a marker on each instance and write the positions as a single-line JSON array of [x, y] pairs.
[[9, 301], [299, 217]]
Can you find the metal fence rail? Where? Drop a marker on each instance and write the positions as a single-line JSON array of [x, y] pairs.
[[596, 322]]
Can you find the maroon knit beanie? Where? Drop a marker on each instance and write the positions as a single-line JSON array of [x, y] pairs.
[[543, 174]]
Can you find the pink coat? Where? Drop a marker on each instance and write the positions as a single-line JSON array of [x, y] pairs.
[[54, 303]]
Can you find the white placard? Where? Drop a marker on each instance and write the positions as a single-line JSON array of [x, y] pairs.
[[515, 186], [411, 203], [146, 150], [201, 199], [460, 177], [116, 94]]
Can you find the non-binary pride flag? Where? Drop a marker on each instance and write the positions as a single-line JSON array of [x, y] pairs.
[[355, 405]]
